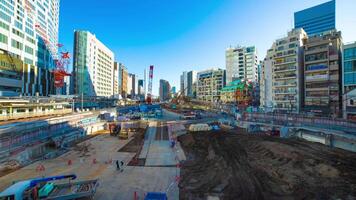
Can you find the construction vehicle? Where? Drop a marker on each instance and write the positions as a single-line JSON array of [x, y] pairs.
[[47, 188], [114, 129], [179, 99]]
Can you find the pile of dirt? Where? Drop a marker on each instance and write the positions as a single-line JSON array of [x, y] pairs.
[[240, 166]]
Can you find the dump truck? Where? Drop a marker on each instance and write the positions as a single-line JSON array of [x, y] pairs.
[[49, 188]]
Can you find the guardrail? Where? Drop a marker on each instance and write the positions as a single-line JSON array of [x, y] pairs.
[[301, 120], [16, 116]]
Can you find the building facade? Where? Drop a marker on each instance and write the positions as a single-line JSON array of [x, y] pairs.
[[287, 70], [131, 85], [349, 80], [123, 74], [164, 90], [116, 80], [140, 90], [241, 63], [28, 47], [238, 93], [323, 75], [266, 80], [93, 66], [317, 19], [188, 82], [209, 84]]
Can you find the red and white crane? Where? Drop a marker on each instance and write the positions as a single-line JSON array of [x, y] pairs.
[[149, 90]]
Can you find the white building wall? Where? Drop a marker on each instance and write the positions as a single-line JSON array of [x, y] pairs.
[[100, 67], [22, 23], [241, 63]]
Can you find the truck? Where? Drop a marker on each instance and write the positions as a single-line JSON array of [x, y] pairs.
[[50, 188]]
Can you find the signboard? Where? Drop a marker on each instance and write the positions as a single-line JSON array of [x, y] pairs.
[[8, 63]]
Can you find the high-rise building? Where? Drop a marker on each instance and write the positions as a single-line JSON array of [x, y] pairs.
[[28, 46], [188, 83], [322, 74], [140, 90], [116, 79], [184, 83], [349, 80], [123, 74], [317, 19], [93, 66], [241, 63], [174, 90], [164, 90], [209, 84], [266, 80], [131, 85], [287, 70]]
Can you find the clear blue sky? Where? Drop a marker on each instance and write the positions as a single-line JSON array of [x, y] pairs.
[[178, 35]]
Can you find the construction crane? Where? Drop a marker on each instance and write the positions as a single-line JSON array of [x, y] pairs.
[[149, 90]]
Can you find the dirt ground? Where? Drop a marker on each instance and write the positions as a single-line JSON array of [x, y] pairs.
[[239, 166]]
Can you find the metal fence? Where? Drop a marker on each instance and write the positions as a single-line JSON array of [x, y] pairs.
[[15, 116]]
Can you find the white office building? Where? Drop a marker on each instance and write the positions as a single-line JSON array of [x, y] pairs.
[[93, 66], [28, 44], [241, 63]]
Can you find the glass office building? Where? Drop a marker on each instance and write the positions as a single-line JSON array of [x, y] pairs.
[[317, 19]]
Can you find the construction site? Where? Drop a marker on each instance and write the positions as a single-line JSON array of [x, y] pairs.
[[181, 149]]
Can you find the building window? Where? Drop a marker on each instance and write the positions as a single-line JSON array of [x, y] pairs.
[[350, 53], [16, 44], [5, 17], [18, 33], [350, 66], [29, 50], [3, 38], [318, 56], [28, 61], [4, 26]]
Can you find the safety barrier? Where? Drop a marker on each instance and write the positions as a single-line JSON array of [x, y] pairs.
[[22, 115], [301, 120]]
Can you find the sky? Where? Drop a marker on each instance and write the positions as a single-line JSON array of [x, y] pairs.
[[183, 35]]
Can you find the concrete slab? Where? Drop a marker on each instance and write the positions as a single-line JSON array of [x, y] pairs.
[[160, 154], [123, 185]]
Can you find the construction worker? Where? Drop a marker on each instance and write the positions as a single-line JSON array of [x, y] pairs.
[[117, 165], [122, 166]]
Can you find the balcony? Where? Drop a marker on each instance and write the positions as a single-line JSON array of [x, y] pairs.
[[285, 77], [316, 61], [316, 50], [320, 77], [317, 89], [293, 91], [285, 69], [334, 77], [285, 54], [334, 57], [285, 62], [334, 67]]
